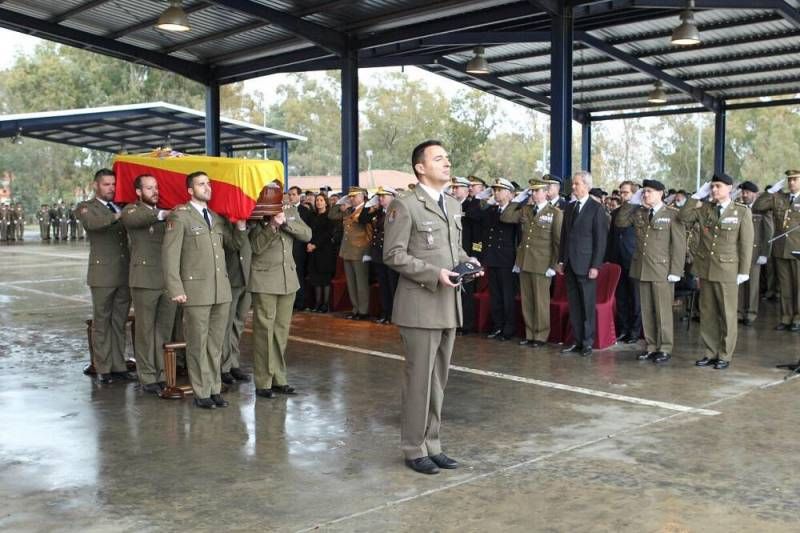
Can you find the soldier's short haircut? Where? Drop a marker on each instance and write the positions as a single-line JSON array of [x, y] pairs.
[[137, 182], [296, 188], [418, 154], [190, 178], [102, 173], [629, 183]]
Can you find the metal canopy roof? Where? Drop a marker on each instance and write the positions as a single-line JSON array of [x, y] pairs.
[[138, 127], [750, 48]]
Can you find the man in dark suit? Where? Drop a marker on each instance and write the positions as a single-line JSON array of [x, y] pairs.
[[299, 248], [583, 247], [621, 245]]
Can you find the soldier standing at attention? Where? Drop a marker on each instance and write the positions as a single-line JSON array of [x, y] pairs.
[[63, 221], [657, 264], [763, 227], [785, 210], [722, 261], [193, 258], [537, 256], [273, 284], [54, 222], [107, 276], [20, 222], [3, 222], [44, 222], [355, 244], [375, 216], [155, 312], [238, 264], [423, 244]]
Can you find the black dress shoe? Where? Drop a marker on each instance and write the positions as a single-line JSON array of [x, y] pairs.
[[162, 385], [661, 357], [706, 361], [526, 342], [153, 388], [322, 309], [442, 461], [575, 348], [623, 338], [586, 352], [722, 365], [351, 316], [205, 403], [219, 401], [782, 327], [632, 339], [128, 376], [226, 378], [795, 326], [646, 356], [283, 389], [502, 338], [238, 375], [380, 321], [494, 334], [265, 393], [106, 379], [423, 465]]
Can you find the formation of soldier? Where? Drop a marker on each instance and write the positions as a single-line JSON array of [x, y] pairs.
[[59, 223], [12, 222]]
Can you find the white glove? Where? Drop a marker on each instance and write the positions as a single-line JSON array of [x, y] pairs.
[[343, 200], [549, 272], [484, 194], [636, 199], [491, 201], [366, 258], [737, 192], [777, 187], [704, 191], [516, 270], [762, 260], [522, 197], [668, 199], [741, 278], [372, 202], [672, 278], [162, 214]]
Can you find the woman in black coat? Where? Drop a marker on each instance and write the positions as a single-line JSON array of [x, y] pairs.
[[322, 251]]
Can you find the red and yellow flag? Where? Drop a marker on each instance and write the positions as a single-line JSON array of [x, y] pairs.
[[235, 183]]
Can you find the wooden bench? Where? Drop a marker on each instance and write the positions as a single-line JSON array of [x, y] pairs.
[[89, 369]]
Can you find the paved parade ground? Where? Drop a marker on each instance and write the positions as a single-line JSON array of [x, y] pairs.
[[547, 442]]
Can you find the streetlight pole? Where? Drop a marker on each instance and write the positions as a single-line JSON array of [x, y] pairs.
[[699, 150]]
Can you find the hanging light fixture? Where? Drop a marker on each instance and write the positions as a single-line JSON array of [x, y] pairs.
[[657, 95], [173, 18], [687, 33], [478, 64]]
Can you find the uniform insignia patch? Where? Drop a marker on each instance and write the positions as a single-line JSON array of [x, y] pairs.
[[170, 225], [391, 216]]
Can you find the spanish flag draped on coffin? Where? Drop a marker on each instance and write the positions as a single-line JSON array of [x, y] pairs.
[[235, 183]]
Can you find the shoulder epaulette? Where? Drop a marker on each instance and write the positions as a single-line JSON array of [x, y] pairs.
[[182, 208], [404, 194], [739, 204]]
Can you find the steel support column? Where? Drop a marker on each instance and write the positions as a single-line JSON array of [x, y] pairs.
[[283, 146], [212, 119], [349, 120], [561, 97], [586, 146], [719, 140]]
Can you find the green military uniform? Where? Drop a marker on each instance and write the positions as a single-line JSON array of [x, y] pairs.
[[4, 221], [749, 293], [20, 214], [43, 215], [54, 222], [11, 223], [63, 221], [420, 240], [355, 244], [660, 252], [155, 311], [537, 253], [107, 277], [273, 284], [785, 216], [238, 264], [724, 250], [193, 259]]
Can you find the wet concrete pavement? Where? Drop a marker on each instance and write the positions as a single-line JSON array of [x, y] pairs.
[[553, 443]]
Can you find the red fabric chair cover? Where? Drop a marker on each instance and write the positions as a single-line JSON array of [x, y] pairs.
[[559, 311], [605, 331]]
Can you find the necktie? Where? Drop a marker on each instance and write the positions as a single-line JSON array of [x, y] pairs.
[[535, 210], [208, 218], [650, 216], [719, 211], [791, 198], [111, 208], [441, 204]]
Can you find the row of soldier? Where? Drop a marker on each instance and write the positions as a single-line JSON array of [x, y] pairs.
[[59, 223], [12, 222]]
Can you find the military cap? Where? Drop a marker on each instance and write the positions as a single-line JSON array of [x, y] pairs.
[[653, 184], [476, 179], [551, 178], [536, 183], [502, 183], [597, 192], [385, 190], [516, 186], [722, 178], [356, 190], [459, 182], [748, 186], [793, 173]]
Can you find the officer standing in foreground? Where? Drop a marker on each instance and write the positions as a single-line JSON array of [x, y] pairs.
[[537, 255], [155, 312], [273, 284], [722, 261], [657, 264], [749, 294], [238, 264], [193, 258], [107, 277], [423, 244]]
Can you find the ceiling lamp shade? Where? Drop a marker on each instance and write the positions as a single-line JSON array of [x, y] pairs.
[[478, 64], [687, 33], [657, 95], [173, 18]]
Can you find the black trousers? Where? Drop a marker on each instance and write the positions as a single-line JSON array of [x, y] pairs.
[[582, 296], [629, 312], [387, 281], [468, 306], [501, 298]]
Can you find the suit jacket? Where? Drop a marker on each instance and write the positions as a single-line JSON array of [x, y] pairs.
[[660, 244], [584, 237], [621, 242], [540, 236], [108, 245], [499, 238], [785, 216], [146, 235], [471, 234], [419, 241], [273, 270], [356, 236], [763, 231], [193, 256], [725, 246]]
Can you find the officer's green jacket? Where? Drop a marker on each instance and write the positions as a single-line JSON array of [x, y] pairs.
[[785, 216], [193, 257], [356, 236], [108, 250], [146, 234], [660, 244], [418, 242], [540, 235], [725, 243], [272, 270]]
